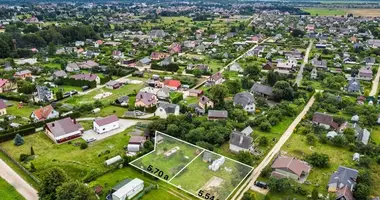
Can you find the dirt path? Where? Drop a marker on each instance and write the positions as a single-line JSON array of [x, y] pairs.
[[22, 187], [272, 153], [375, 84]]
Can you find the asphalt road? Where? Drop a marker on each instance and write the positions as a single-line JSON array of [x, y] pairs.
[[272, 153], [305, 61], [22, 187]]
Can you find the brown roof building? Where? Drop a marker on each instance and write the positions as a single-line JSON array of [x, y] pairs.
[[63, 130], [290, 167]]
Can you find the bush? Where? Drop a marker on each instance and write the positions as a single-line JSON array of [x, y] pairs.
[[83, 145], [24, 157], [265, 126]]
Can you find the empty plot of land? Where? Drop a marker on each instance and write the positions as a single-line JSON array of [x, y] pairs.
[[339, 12], [193, 169], [364, 12]]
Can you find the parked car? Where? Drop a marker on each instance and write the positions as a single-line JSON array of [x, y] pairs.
[[90, 140], [261, 184]]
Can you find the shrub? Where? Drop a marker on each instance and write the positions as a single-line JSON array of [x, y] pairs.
[[24, 157], [83, 145]]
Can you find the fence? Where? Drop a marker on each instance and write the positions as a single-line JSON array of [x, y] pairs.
[[20, 166]]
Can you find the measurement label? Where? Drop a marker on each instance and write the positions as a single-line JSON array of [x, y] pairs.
[[157, 171], [204, 195]]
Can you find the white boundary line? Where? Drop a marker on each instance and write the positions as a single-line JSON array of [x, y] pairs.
[[186, 165], [203, 150]]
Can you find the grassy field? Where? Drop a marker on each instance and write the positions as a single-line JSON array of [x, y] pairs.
[[76, 162], [375, 136], [24, 111], [109, 110], [8, 192], [325, 11], [168, 20]]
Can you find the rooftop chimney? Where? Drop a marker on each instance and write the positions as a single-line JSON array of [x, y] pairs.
[[52, 124], [241, 139]]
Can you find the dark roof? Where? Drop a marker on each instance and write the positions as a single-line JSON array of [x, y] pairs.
[[169, 108], [204, 99], [60, 73], [63, 126], [344, 177], [323, 118], [106, 120], [240, 140], [243, 99], [262, 89], [122, 99]]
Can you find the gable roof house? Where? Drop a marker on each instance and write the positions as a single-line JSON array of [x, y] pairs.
[[144, 63], [166, 109], [44, 113], [240, 142], [6, 85], [201, 67], [87, 77], [319, 64], [268, 66], [353, 85], [172, 84], [157, 33], [44, 94], [145, 99], [217, 115], [324, 120], [113, 84], [290, 167], [3, 108], [262, 90], [106, 124], [370, 61], [163, 93], [23, 74], [59, 74], [215, 79], [63, 130], [362, 135], [205, 102], [246, 100], [124, 100], [342, 182], [288, 65], [72, 67], [365, 73], [158, 55], [235, 67]]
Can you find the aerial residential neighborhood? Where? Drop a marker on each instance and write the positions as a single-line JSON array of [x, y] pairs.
[[185, 100]]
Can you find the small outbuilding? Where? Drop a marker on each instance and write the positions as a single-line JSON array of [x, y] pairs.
[[113, 160]]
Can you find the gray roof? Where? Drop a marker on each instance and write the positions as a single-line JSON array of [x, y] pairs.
[[344, 176], [145, 60], [60, 73], [247, 131], [244, 99], [43, 93], [169, 108], [123, 99], [218, 113], [353, 86], [240, 140], [262, 89], [63, 126]]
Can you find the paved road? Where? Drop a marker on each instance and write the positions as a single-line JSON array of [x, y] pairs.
[[375, 84], [22, 187], [305, 61], [273, 152]]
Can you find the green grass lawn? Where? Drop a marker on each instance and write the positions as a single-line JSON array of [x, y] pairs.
[[76, 162], [324, 11], [67, 88], [375, 135], [196, 175], [24, 111], [8, 192], [109, 110], [52, 66], [169, 20]]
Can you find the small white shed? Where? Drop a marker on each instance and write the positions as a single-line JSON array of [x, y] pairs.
[[133, 147], [113, 160]]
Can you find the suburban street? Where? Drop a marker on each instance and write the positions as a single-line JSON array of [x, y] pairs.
[[375, 84], [273, 152], [26, 190], [305, 61]]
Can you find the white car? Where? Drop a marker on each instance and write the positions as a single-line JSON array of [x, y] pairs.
[[90, 140]]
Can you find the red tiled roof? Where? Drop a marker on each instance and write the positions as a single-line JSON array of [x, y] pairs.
[[43, 113], [172, 83], [3, 82]]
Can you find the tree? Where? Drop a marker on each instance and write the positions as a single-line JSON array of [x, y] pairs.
[[314, 194], [4, 49], [267, 197], [51, 179], [248, 196], [245, 157], [283, 90], [19, 140], [265, 126], [263, 141], [148, 146], [59, 94], [318, 160], [361, 191], [83, 145], [252, 71], [51, 49], [297, 33], [311, 139], [197, 73], [234, 86], [75, 191], [279, 185], [31, 151], [218, 93]]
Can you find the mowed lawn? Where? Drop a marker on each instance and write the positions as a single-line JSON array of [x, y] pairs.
[[78, 163], [196, 175], [8, 192], [325, 11], [24, 111], [172, 164]]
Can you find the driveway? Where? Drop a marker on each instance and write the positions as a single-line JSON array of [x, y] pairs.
[[305, 61], [22, 187], [124, 124]]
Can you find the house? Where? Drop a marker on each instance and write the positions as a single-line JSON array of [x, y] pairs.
[[247, 131], [240, 142], [319, 64], [124, 100], [369, 61], [163, 93], [59, 74], [314, 73], [89, 64], [3, 108], [117, 54], [246, 100], [72, 67], [144, 63], [217, 115], [136, 143], [87, 77], [172, 84], [353, 85], [175, 48], [204, 102], [342, 182], [235, 67], [268, 66], [106, 124], [195, 93], [128, 190], [324, 120], [290, 167], [167, 61], [79, 43], [145, 99], [6, 85], [158, 55], [288, 65], [215, 79], [362, 135], [262, 90], [23, 74], [157, 33], [44, 94], [113, 84], [44, 113], [166, 109], [23, 61], [365, 73], [63, 130]]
